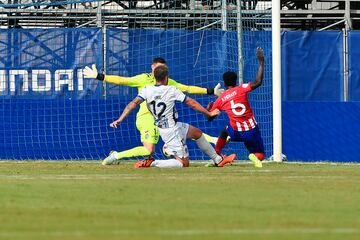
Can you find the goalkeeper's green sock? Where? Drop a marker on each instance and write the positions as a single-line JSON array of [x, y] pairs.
[[210, 139], [134, 152]]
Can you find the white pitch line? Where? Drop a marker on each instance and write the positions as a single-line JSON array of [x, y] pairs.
[[162, 175], [70, 177], [237, 162], [188, 232], [256, 170], [321, 163], [263, 231]]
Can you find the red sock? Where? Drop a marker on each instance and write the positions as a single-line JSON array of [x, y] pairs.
[[260, 156], [219, 145]]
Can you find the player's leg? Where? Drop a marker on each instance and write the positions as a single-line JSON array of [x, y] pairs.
[[149, 137], [205, 147], [198, 136], [210, 139], [175, 139], [222, 141], [255, 146], [149, 133], [114, 157], [252, 140], [169, 163], [175, 162]]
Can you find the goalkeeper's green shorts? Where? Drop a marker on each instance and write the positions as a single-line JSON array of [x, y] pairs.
[[148, 131]]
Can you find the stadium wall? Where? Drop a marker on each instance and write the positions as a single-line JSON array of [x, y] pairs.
[[321, 131], [317, 124]]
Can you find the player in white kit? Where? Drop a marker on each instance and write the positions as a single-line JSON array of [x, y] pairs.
[[160, 100]]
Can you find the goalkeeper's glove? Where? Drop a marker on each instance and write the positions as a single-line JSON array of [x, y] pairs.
[[217, 90], [93, 73]]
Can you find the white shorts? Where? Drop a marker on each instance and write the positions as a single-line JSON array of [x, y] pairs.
[[175, 139]]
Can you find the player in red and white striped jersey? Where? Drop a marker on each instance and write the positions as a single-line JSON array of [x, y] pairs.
[[243, 126]]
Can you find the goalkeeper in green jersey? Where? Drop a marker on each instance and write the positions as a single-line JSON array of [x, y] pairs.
[[144, 120]]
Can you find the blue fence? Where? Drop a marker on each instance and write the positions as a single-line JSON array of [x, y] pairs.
[[354, 66], [47, 63], [312, 66]]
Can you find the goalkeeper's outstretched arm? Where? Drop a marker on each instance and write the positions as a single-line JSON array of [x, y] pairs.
[[217, 90], [118, 80]]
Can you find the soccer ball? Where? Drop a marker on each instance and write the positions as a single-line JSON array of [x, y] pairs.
[[283, 158], [167, 152]]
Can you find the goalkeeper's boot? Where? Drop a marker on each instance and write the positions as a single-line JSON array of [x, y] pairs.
[[255, 160], [111, 159], [144, 163], [227, 159]]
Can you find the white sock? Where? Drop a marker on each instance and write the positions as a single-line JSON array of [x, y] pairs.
[[170, 163], [206, 148]]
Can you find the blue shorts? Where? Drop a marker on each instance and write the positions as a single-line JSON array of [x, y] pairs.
[[252, 139]]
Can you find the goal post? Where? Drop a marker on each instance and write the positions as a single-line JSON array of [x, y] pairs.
[[276, 78]]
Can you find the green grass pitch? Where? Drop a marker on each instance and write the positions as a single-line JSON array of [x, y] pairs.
[[84, 200]]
